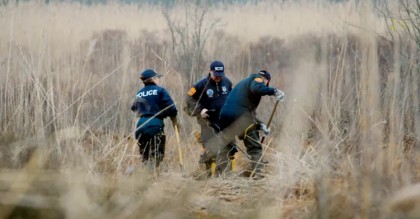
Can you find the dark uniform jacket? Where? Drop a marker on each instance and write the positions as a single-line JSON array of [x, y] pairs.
[[152, 101], [244, 99], [208, 94]]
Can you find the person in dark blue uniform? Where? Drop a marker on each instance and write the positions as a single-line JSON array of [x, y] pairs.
[[238, 118], [204, 101], [152, 104]]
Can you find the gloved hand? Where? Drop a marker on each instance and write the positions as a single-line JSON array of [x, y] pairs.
[[174, 120], [204, 114], [264, 129], [279, 94], [133, 108]]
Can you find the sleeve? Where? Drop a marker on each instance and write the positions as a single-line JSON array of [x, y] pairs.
[[135, 105], [192, 103], [168, 104], [257, 86]]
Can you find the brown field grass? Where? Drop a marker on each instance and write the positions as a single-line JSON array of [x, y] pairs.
[[344, 144]]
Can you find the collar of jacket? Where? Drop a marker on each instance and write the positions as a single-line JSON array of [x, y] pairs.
[[212, 81], [149, 83], [255, 75]]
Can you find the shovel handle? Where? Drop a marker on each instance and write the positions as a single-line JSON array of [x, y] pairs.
[[181, 162], [271, 118]]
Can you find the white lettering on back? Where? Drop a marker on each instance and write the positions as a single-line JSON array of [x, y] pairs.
[[147, 93]]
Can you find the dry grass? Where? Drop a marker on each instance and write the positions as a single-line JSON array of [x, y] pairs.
[[343, 143]]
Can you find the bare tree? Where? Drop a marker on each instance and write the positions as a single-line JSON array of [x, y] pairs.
[[403, 19], [189, 35]]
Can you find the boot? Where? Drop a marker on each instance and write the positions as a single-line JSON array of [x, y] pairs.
[[257, 170], [204, 171], [257, 174], [207, 161], [223, 164], [205, 158]]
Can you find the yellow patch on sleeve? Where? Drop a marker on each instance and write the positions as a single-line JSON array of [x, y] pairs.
[[258, 80], [192, 91]]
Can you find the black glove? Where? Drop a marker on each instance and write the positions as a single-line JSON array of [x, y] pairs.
[[174, 120]]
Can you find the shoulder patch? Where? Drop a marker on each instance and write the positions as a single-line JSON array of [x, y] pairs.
[[192, 91], [258, 80]]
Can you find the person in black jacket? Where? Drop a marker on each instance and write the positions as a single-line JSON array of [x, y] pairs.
[[204, 101], [152, 104], [238, 118]]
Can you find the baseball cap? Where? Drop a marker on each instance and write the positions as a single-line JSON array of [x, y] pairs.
[[149, 73], [265, 74], [218, 68]]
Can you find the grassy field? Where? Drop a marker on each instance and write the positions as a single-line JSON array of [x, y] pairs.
[[344, 144]]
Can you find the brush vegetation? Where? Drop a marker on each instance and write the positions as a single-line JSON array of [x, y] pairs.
[[344, 144]]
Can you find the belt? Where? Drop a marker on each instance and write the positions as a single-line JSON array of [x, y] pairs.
[[148, 116]]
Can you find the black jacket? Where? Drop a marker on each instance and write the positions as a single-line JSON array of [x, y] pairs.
[[244, 99], [208, 94], [153, 100]]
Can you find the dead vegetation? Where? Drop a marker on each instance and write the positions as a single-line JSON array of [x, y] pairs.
[[342, 145]]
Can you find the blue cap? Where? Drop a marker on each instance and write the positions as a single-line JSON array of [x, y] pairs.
[[149, 73], [218, 68], [265, 74]]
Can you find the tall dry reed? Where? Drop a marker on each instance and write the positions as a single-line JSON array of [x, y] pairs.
[[345, 139]]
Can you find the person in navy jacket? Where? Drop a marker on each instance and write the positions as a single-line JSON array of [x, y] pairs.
[[152, 104], [204, 101], [238, 118]]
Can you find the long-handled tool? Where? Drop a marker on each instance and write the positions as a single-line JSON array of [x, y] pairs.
[[181, 162], [263, 138], [271, 118]]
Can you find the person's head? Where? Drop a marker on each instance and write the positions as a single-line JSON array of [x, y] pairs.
[[217, 71], [266, 76], [150, 75]]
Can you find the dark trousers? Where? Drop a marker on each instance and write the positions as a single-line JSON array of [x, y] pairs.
[[254, 149], [246, 128], [152, 148], [208, 132], [208, 129]]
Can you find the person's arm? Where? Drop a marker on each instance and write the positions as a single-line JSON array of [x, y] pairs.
[[168, 105], [193, 106], [258, 86], [171, 111], [135, 107]]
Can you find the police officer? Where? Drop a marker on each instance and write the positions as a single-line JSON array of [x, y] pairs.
[[152, 104], [205, 99], [238, 118]]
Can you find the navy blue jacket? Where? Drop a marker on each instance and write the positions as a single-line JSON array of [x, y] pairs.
[[153, 100], [208, 94], [244, 99]]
